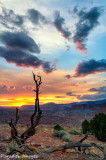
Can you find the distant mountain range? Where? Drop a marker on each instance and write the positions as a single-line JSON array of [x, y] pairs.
[[51, 104], [103, 101], [66, 114]]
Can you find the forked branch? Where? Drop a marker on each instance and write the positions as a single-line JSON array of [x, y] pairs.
[[32, 128]]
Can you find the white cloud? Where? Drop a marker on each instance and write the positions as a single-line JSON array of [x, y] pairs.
[[49, 38]]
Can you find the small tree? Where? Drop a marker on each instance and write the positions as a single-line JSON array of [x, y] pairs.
[[58, 127], [85, 126], [98, 126]]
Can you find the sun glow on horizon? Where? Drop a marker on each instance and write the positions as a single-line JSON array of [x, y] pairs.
[[19, 102]]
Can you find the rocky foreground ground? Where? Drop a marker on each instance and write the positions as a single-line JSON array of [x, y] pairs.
[[43, 139]]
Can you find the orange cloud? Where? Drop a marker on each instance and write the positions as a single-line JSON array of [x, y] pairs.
[[80, 47], [53, 89]]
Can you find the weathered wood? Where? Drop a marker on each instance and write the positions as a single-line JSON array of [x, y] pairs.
[[31, 130], [17, 116], [14, 131], [33, 115], [84, 156], [83, 139], [68, 146], [38, 82], [6, 140], [78, 145]]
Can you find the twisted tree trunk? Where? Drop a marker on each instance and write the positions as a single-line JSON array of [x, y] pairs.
[[20, 140]]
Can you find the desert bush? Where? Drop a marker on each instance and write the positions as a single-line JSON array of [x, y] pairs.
[[59, 133], [85, 127], [62, 135], [46, 151], [72, 131], [10, 146], [23, 157], [66, 138], [32, 148], [98, 126], [58, 127]]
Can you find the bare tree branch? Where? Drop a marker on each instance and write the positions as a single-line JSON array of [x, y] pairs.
[[5, 140], [79, 145], [83, 139], [14, 131], [32, 117], [31, 130], [38, 83], [17, 116]]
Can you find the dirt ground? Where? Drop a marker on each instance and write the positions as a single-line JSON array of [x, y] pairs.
[[43, 139]]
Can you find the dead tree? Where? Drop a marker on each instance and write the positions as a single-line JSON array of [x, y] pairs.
[[79, 148], [31, 130]]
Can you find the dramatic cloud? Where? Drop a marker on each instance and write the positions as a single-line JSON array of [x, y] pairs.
[[100, 94], [12, 87], [8, 18], [92, 97], [68, 76], [70, 94], [36, 17], [18, 48], [99, 90], [5, 89], [87, 22], [59, 23], [90, 67], [13, 21], [28, 87], [59, 96], [24, 59], [19, 40]]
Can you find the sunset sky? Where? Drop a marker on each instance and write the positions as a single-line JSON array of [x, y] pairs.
[[63, 41]]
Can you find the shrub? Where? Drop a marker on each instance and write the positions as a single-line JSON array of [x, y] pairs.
[[58, 127], [98, 126], [85, 127], [62, 135], [66, 138], [59, 133], [10, 147], [23, 157], [72, 131], [46, 151]]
